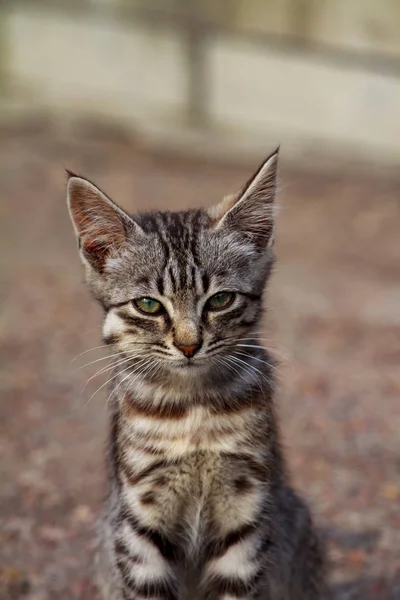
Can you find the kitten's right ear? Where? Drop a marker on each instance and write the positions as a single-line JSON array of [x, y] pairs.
[[100, 225], [252, 210]]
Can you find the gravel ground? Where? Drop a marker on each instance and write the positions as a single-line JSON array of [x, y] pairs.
[[334, 318]]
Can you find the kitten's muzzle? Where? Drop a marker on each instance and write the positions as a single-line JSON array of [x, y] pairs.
[[188, 351]]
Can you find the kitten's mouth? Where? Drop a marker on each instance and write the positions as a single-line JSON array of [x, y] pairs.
[[186, 364]]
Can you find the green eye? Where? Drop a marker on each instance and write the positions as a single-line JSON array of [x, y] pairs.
[[148, 305], [220, 300]]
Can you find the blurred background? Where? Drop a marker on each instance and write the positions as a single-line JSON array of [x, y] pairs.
[[171, 104]]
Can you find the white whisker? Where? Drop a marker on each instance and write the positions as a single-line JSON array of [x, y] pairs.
[[107, 368], [106, 382], [86, 351], [265, 362], [235, 361], [142, 365], [100, 359], [252, 367]]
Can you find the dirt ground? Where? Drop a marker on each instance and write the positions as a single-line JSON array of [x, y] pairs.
[[334, 316]]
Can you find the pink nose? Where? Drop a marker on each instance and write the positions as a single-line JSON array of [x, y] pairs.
[[188, 351]]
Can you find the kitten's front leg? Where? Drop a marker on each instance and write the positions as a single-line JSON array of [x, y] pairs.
[[237, 569], [143, 561]]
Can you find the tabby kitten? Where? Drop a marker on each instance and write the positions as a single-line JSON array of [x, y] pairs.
[[200, 505]]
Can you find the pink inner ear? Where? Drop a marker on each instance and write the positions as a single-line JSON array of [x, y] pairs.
[[95, 249], [99, 241], [98, 236], [99, 225]]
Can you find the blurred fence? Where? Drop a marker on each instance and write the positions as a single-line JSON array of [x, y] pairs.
[[310, 73]]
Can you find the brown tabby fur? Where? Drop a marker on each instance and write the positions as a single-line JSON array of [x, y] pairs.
[[200, 504]]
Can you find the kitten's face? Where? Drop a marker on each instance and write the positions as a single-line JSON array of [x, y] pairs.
[[182, 291]]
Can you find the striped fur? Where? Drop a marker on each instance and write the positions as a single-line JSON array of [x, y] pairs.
[[200, 505]]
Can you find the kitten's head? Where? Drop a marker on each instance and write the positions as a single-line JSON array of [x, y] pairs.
[[182, 291]]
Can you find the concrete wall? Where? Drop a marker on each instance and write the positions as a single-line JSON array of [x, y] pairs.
[[96, 65], [258, 91], [362, 25]]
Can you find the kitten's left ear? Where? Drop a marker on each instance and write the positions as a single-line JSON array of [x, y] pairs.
[[252, 211], [100, 225]]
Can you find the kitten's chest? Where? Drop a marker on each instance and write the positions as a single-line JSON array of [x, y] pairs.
[[188, 473], [199, 495], [198, 430]]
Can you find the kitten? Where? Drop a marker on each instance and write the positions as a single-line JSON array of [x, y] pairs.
[[200, 505]]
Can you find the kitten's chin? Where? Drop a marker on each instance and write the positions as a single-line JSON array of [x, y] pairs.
[[188, 368]]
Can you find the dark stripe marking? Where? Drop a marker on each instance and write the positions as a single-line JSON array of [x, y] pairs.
[[160, 285], [252, 296], [235, 405], [118, 304], [220, 547], [122, 550], [148, 498], [158, 589], [173, 281], [193, 276], [142, 322], [242, 484], [168, 549], [134, 478], [259, 470], [114, 453], [147, 448], [169, 411], [112, 338], [205, 281], [238, 588]]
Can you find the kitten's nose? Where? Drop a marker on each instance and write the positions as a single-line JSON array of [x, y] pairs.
[[188, 351]]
